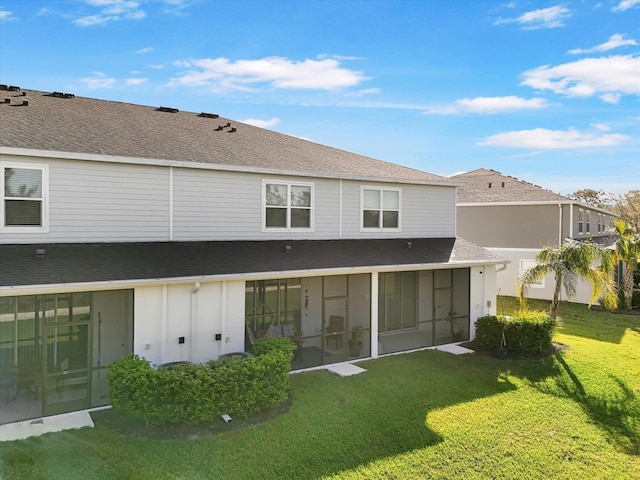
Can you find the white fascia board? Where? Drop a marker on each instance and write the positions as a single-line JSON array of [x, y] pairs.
[[121, 284], [499, 249], [92, 157]]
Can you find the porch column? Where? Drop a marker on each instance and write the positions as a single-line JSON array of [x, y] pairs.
[[374, 315]]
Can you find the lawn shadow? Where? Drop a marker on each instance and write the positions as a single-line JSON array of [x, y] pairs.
[[436, 382], [619, 417]]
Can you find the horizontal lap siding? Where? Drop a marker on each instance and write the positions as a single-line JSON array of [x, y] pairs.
[[101, 202], [426, 211], [214, 205]]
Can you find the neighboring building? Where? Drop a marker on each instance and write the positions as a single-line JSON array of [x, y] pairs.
[[183, 236], [515, 219]]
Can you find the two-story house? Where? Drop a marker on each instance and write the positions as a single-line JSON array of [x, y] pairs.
[[515, 219], [184, 236]]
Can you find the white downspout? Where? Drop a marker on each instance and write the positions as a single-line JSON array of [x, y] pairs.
[[194, 318], [374, 315], [559, 224], [571, 220]]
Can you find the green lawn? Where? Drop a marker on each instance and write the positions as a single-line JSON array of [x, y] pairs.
[[574, 415]]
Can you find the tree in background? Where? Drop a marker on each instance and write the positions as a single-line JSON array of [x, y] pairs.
[[569, 261], [593, 198], [627, 252], [627, 207]]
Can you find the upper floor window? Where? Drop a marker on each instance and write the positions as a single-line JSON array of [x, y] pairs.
[[380, 208], [580, 221], [287, 205], [23, 189], [588, 222], [599, 222]]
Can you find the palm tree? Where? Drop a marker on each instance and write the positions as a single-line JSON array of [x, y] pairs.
[[627, 252], [569, 261]]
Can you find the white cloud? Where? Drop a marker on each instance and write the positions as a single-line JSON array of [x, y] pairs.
[[6, 15], [98, 81], [606, 77], [601, 127], [489, 105], [364, 92], [277, 72], [625, 5], [144, 50], [111, 11], [551, 17], [136, 81], [544, 139], [615, 41], [256, 122]]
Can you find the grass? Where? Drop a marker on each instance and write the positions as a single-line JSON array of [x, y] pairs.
[[574, 414]]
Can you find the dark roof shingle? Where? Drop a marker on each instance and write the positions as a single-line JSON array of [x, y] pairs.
[[64, 263], [489, 186], [89, 126]]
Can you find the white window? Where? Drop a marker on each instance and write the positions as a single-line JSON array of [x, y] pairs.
[[287, 206], [599, 222], [380, 208], [526, 264], [588, 221], [24, 189], [580, 221]]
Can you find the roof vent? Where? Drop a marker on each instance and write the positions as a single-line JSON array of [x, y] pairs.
[[7, 100], [233, 129], [10, 88], [502, 184], [167, 110], [25, 103], [60, 95], [489, 184], [220, 127], [208, 115]]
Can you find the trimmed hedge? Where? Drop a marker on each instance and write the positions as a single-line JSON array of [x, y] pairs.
[[526, 333], [195, 394]]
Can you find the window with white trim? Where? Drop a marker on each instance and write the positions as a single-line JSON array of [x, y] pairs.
[[380, 208], [287, 206], [588, 222], [527, 264], [580, 221], [23, 189], [599, 222]]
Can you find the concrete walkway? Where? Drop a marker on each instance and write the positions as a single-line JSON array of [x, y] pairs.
[[39, 426]]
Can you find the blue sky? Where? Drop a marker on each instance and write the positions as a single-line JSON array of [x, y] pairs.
[[548, 92]]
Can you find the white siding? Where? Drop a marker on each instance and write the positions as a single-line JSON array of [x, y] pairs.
[[228, 206], [426, 211], [102, 202], [107, 202]]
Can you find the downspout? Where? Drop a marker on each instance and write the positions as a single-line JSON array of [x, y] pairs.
[[571, 220], [374, 314], [340, 211], [559, 224], [170, 203], [194, 318]]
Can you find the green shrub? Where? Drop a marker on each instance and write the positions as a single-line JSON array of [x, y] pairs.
[[194, 394], [528, 332]]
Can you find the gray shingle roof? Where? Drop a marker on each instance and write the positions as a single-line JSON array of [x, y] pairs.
[[90, 126], [486, 186], [104, 262]]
